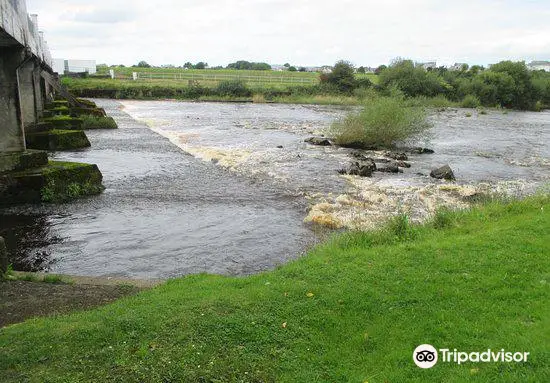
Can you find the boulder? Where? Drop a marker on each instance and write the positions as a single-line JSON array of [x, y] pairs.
[[363, 169], [421, 151], [399, 156], [318, 141], [403, 164], [444, 172]]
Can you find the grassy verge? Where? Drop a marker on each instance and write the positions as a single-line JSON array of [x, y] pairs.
[[352, 310]]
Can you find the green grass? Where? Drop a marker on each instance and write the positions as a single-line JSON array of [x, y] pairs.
[[352, 310]]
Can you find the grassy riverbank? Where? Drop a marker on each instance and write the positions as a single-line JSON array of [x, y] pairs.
[[352, 310]]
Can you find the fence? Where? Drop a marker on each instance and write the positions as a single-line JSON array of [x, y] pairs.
[[217, 77]]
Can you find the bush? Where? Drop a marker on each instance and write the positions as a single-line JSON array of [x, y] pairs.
[[232, 88], [470, 101], [382, 123], [95, 122], [342, 77]]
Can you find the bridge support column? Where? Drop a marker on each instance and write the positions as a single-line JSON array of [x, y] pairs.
[[29, 90], [12, 137]]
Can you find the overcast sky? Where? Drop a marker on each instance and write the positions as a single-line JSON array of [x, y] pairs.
[[301, 32]]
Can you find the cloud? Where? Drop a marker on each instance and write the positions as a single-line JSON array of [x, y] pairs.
[[104, 16], [302, 32]]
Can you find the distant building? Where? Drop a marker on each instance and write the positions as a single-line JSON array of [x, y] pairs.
[[458, 66], [278, 68], [539, 65], [62, 66], [428, 65]]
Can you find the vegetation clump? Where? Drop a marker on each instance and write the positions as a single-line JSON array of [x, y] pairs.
[[235, 88], [383, 122], [96, 122]]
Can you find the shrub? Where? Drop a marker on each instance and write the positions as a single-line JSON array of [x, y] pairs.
[[95, 122], [383, 122], [470, 101], [342, 77], [232, 88]]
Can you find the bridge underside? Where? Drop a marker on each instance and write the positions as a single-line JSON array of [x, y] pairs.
[[25, 85]]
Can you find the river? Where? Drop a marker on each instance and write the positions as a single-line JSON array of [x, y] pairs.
[[233, 188]]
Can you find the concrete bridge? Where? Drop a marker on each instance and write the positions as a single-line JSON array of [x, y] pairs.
[[26, 76]]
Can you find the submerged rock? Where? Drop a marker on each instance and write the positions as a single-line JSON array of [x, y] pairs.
[[399, 156], [318, 141], [362, 169], [444, 172], [389, 168], [422, 151], [403, 164]]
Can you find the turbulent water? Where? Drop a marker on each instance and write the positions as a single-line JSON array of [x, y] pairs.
[[235, 189]]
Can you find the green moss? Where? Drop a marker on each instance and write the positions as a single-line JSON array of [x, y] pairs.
[[57, 139], [55, 182], [64, 122], [94, 122], [67, 181]]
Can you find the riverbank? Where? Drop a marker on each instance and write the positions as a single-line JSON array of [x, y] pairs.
[[29, 295], [353, 309]]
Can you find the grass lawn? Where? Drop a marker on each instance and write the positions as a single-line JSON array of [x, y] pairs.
[[352, 310]]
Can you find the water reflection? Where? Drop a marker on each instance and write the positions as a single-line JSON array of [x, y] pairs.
[[28, 240]]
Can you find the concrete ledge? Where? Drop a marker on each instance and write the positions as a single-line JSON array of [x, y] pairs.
[[22, 160], [58, 140], [64, 122], [55, 182]]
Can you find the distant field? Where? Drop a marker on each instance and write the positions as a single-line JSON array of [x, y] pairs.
[[210, 77]]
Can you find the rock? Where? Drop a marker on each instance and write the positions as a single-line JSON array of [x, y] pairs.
[[382, 160], [396, 156], [390, 168], [422, 151], [359, 169], [318, 141], [444, 172], [279, 146], [3, 257], [403, 164]]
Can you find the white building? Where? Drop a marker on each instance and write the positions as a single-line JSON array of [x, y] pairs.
[[539, 65], [458, 66], [62, 66], [428, 65]]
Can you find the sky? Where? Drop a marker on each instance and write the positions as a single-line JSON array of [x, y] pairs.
[[300, 32]]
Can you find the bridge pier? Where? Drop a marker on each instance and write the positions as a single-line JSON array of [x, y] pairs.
[[12, 137]]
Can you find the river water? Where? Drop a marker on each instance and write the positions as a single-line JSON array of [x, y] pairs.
[[233, 189]]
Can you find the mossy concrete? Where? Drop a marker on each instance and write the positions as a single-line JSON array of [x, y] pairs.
[[64, 122], [54, 182], [22, 160], [58, 140]]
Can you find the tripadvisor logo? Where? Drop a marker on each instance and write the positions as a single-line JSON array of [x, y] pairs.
[[426, 356]]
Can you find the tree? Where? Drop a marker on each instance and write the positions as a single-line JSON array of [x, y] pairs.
[[411, 79], [287, 65], [200, 65], [342, 76], [524, 95], [143, 64], [361, 69], [188, 65], [380, 69], [302, 69], [292, 69]]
